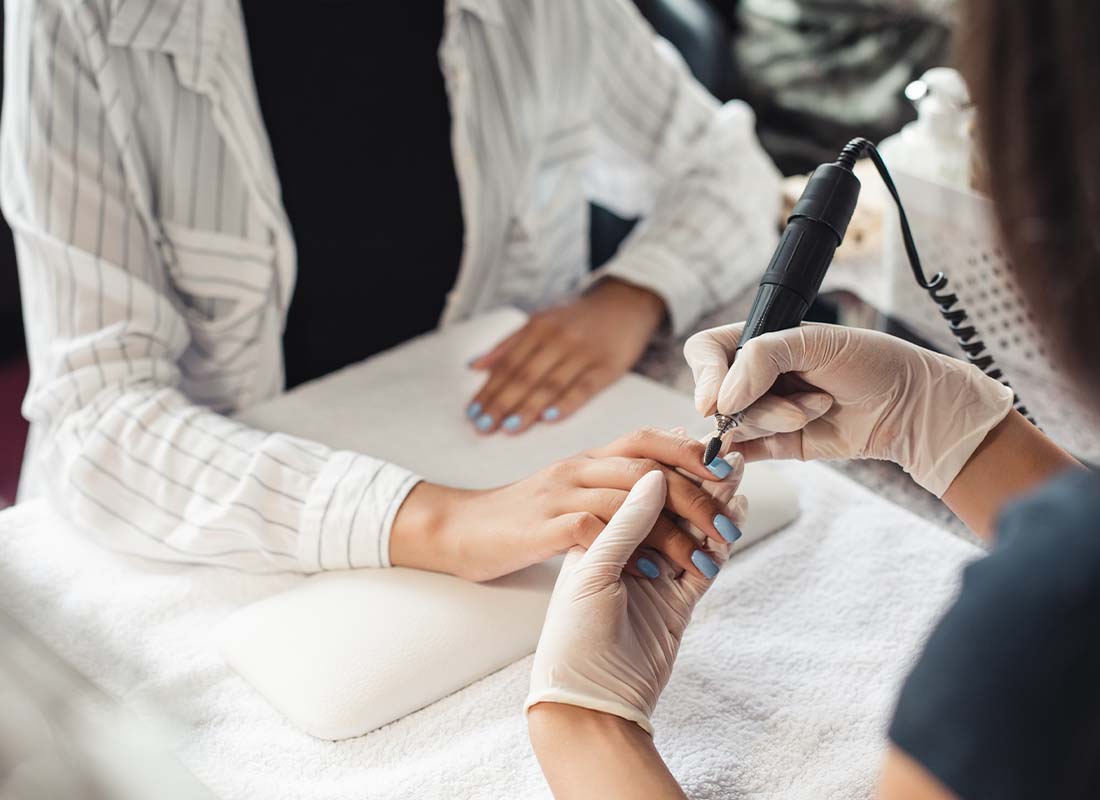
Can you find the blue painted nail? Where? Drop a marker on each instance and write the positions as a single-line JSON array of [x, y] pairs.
[[473, 410], [551, 414], [512, 422], [719, 468], [730, 532], [484, 422], [704, 563], [648, 568]]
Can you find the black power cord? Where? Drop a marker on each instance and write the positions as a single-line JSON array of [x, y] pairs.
[[948, 302]]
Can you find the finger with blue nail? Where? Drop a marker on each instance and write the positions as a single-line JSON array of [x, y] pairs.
[[510, 402], [691, 509]]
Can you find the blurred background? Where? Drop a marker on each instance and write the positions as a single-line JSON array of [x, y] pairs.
[[817, 72]]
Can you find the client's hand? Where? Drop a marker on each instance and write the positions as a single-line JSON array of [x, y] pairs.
[[481, 535], [564, 356], [610, 639], [825, 391]]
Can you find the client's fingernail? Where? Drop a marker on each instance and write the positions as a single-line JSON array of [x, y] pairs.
[[512, 422], [484, 422], [730, 532], [719, 468], [704, 563], [551, 414], [648, 568], [473, 410]]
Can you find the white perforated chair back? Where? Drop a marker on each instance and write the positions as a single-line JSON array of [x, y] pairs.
[[955, 232]]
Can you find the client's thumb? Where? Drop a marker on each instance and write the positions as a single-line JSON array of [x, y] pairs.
[[628, 527]]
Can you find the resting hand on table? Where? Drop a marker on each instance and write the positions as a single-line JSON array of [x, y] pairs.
[[826, 391], [481, 535], [564, 356]]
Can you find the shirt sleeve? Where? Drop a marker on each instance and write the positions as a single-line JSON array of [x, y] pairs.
[[124, 452], [693, 168], [1004, 702]]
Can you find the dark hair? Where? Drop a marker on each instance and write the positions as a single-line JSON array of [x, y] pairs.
[[1033, 67]]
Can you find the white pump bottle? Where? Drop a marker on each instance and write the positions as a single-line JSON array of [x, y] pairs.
[[935, 146]]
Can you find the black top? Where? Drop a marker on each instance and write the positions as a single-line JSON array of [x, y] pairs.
[[356, 111], [1005, 700]]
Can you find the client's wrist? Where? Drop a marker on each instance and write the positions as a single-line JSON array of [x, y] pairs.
[[424, 534], [627, 299]]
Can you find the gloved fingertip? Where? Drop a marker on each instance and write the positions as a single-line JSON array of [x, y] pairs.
[[738, 508], [652, 483], [629, 525], [706, 397], [730, 399], [817, 404], [777, 415]]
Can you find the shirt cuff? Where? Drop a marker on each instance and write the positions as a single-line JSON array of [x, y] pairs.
[[349, 513], [652, 267]]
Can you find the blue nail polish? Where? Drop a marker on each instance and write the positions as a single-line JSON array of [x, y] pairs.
[[730, 532], [484, 422], [719, 468], [704, 563], [551, 414], [648, 568], [512, 422], [473, 410]]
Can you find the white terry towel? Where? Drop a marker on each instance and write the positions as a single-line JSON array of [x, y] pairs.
[[783, 688]]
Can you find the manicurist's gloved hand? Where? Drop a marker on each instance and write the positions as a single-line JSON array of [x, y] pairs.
[[826, 391], [610, 639], [564, 356]]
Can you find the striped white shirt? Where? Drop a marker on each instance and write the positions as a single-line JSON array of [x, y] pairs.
[[156, 260]]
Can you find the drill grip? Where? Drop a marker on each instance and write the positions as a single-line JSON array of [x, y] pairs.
[[814, 231]]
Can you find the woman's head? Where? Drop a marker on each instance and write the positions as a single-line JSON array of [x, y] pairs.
[[1034, 67]]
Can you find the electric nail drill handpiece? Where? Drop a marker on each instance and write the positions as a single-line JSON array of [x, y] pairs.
[[815, 229]]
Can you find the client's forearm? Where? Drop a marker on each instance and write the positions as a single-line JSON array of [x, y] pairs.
[[587, 754], [1014, 458]]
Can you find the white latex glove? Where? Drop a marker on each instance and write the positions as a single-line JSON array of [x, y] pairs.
[[610, 639], [827, 391]]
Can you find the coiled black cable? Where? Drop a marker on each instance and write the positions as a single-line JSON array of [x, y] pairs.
[[948, 302]]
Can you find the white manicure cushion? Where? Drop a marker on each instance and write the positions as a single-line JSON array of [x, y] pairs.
[[347, 652]]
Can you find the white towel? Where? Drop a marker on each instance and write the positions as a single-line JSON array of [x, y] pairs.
[[783, 688]]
